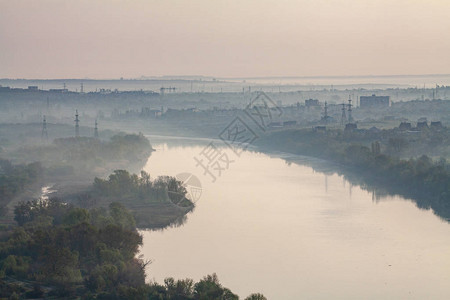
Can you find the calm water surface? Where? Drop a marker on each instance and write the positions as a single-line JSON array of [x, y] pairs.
[[290, 232]]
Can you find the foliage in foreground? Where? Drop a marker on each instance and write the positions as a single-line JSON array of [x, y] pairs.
[[60, 250], [73, 249]]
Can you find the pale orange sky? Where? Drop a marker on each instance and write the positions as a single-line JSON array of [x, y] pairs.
[[112, 39]]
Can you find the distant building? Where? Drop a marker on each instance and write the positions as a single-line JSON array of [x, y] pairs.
[[374, 129], [289, 123], [422, 125], [422, 119], [147, 112], [320, 128], [404, 126], [436, 125], [276, 124], [312, 102], [33, 87], [374, 101], [59, 90], [327, 119]]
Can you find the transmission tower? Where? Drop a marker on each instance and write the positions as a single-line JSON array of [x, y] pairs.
[[96, 129], [77, 124], [44, 130], [350, 118], [343, 117]]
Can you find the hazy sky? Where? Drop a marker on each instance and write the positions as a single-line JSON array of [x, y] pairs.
[[111, 39]]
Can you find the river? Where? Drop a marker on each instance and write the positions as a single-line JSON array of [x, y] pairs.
[[290, 232]]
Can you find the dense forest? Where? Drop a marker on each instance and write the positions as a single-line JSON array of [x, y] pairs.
[[62, 251], [86, 155], [65, 162], [14, 179], [86, 245], [157, 203], [425, 181]]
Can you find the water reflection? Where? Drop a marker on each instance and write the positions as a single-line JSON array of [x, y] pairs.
[[174, 222], [380, 192], [278, 227]]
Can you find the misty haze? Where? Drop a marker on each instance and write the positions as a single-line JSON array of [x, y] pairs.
[[224, 150]]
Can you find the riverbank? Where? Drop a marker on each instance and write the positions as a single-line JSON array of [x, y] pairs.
[[60, 250], [149, 200], [70, 164], [269, 217], [422, 180]]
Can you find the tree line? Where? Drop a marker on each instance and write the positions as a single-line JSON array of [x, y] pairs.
[[141, 189], [63, 251], [422, 179], [14, 179], [83, 155]]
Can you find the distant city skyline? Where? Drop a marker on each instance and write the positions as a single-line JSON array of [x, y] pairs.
[[207, 77], [224, 39]]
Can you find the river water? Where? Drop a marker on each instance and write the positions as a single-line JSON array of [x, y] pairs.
[[290, 232]]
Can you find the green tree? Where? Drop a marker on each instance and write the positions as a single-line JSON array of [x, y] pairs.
[[122, 216], [210, 288], [256, 296]]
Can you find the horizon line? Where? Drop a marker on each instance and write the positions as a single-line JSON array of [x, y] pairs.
[[180, 77]]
